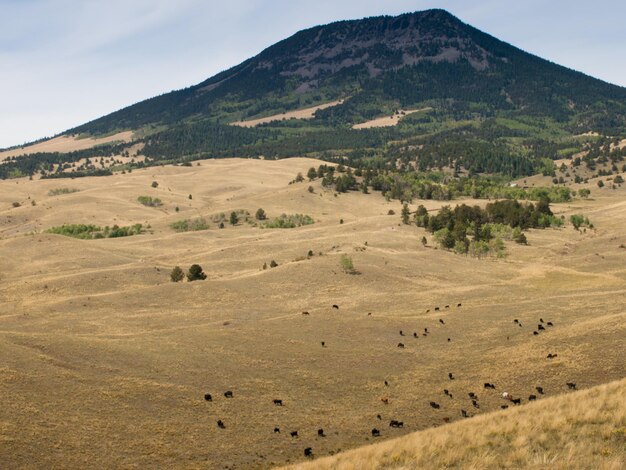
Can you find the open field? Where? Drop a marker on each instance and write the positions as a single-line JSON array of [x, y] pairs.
[[105, 362], [388, 121], [586, 429], [65, 143], [305, 113]]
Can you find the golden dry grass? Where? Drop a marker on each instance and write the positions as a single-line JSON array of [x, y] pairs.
[[105, 361], [66, 143], [305, 113], [585, 429]]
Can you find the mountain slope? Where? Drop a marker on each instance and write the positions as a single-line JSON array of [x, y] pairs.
[[406, 59], [585, 429]]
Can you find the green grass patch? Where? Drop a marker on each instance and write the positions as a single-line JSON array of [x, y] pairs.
[[190, 225], [149, 201], [289, 221], [59, 191], [90, 232]]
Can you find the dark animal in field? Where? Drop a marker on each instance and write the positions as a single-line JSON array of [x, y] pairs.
[[458, 305], [305, 313], [379, 417], [401, 345], [535, 333], [428, 311], [320, 433], [446, 419], [516, 321], [375, 432], [426, 330], [449, 340], [336, 307], [294, 433], [278, 402], [401, 333], [516, 401], [323, 343], [532, 397], [519, 324], [551, 356], [550, 323], [472, 395], [308, 452], [442, 322], [446, 391], [220, 424], [424, 334], [571, 385], [436, 309], [447, 306], [540, 327], [385, 400], [276, 430], [541, 320], [464, 414], [369, 314], [414, 335], [386, 384], [539, 389], [450, 376], [396, 424], [491, 386], [504, 407], [228, 394], [208, 397], [434, 405], [475, 403]]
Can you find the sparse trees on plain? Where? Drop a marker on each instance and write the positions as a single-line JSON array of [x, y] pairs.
[[177, 274], [195, 273]]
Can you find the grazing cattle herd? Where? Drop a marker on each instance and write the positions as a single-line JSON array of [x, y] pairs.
[[394, 423]]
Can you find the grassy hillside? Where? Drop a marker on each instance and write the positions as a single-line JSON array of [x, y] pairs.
[[585, 429], [106, 361]]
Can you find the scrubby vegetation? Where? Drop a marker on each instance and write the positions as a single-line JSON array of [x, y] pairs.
[[59, 191], [149, 201], [500, 220], [190, 225], [195, 273], [289, 221], [347, 264], [89, 232]]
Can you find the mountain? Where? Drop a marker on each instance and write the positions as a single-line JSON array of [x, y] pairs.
[[486, 105]]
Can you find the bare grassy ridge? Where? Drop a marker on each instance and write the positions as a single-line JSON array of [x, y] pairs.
[[105, 361], [585, 429]]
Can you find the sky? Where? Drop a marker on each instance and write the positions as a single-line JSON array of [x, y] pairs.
[[66, 62]]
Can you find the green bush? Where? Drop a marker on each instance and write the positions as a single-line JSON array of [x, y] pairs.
[[89, 232], [289, 221], [195, 273], [59, 191], [149, 201], [189, 225], [346, 264]]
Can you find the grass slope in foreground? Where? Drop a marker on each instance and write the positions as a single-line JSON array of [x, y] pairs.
[[585, 429]]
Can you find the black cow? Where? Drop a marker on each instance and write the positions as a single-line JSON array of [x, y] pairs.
[[447, 306], [532, 397], [539, 389], [464, 414], [571, 385], [446, 391], [540, 327], [426, 330], [550, 323], [472, 395], [434, 405], [228, 394], [401, 345], [436, 309], [414, 335], [308, 452], [401, 333], [386, 384], [504, 407], [305, 313], [323, 343], [541, 320], [278, 402], [475, 403], [516, 321], [535, 333], [220, 424], [442, 322], [517, 401], [208, 397], [379, 417], [320, 433], [294, 433], [336, 307], [458, 305], [276, 430], [375, 432], [396, 424], [450, 376], [491, 386]]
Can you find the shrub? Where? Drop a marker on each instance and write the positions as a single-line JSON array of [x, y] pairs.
[[600, 184], [195, 273], [149, 201], [177, 274], [260, 215], [311, 190], [391, 212], [405, 214], [424, 241], [618, 179], [155, 184], [273, 264], [190, 225], [289, 221], [299, 178], [346, 264], [16, 204], [233, 218], [59, 191], [310, 253]]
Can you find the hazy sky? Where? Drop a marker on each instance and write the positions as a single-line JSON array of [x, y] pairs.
[[65, 62]]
